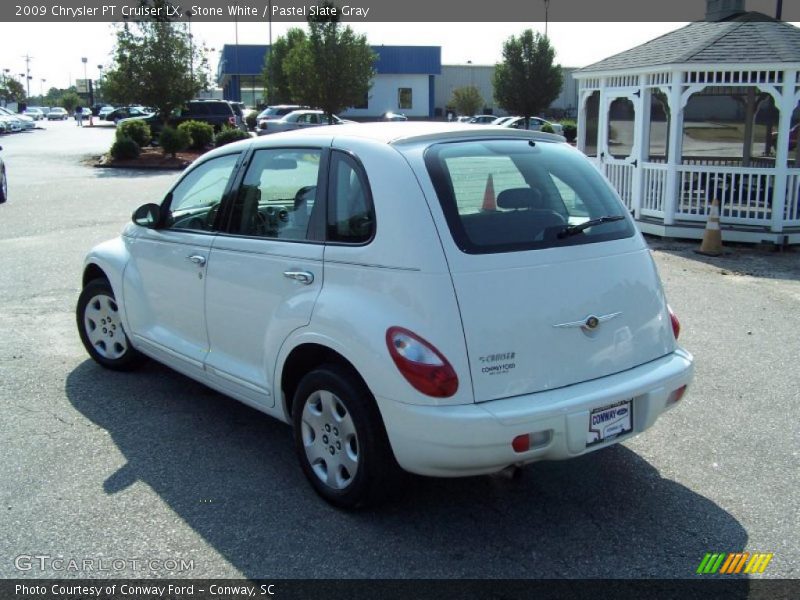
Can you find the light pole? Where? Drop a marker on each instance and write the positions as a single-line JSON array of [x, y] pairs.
[[99, 81], [41, 90], [546, 7], [85, 60]]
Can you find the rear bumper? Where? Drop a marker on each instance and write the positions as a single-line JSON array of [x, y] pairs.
[[475, 439]]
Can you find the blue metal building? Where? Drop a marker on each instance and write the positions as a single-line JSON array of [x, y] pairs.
[[404, 81]]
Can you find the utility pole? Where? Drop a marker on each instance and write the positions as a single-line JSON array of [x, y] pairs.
[[546, 8], [28, 60], [779, 10]]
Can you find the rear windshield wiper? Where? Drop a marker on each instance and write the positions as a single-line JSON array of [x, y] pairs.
[[574, 229]]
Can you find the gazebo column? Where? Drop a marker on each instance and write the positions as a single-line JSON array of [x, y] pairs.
[[602, 124], [675, 152], [641, 145], [749, 118], [787, 106]]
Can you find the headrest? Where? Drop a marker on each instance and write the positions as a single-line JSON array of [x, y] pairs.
[[519, 198]]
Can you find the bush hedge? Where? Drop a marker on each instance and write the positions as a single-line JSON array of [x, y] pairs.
[[228, 135], [570, 130], [200, 134], [124, 148], [137, 130], [174, 140]]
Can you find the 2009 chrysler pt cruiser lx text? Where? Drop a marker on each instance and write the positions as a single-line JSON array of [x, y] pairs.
[[447, 299]]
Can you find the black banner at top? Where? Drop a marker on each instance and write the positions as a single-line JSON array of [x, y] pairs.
[[525, 11]]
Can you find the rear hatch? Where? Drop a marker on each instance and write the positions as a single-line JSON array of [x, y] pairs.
[[544, 306]]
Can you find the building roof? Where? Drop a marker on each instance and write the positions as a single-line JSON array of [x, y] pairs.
[[406, 60], [745, 38]]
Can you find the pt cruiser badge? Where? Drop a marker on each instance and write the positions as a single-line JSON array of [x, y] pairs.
[[591, 322]]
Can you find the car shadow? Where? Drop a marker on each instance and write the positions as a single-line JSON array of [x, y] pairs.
[[121, 173], [229, 472]]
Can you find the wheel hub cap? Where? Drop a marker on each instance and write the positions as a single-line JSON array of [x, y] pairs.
[[103, 327], [330, 440]]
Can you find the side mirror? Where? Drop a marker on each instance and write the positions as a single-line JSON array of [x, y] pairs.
[[148, 215]]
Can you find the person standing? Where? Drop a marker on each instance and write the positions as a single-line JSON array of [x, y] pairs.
[[79, 116]]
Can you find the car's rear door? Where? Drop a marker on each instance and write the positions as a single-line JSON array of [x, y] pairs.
[[164, 281], [266, 269]]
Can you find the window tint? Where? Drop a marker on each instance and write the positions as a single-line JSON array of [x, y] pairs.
[[196, 199], [219, 108], [278, 194], [351, 216], [501, 196]]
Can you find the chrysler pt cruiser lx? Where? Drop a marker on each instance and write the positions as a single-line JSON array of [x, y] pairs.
[[445, 299]]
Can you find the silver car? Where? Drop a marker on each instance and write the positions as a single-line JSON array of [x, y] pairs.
[[297, 119], [25, 122], [534, 124]]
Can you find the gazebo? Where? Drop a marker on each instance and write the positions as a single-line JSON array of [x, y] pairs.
[[704, 112]]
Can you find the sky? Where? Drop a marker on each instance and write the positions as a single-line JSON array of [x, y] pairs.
[[57, 48]]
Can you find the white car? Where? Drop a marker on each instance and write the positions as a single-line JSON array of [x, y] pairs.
[[34, 113], [451, 299], [10, 124], [57, 113], [24, 121], [534, 124]]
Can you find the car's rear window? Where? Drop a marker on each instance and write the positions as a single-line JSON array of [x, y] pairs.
[[510, 195], [220, 108]]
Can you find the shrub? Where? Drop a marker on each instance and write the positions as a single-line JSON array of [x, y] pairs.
[[124, 148], [547, 128], [137, 130], [251, 120], [228, 135], [570, 130], [174, 140], [200, 134]]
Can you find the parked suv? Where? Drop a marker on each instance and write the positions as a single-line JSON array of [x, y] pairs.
[[446, 299], [217, 113]]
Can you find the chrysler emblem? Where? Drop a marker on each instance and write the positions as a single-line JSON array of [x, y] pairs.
[[591, 322]]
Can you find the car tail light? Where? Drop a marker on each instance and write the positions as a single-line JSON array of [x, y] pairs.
[[676, 325], [232, 121], [423, 366]]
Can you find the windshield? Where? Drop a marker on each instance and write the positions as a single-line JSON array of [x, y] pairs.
[[508, 195]]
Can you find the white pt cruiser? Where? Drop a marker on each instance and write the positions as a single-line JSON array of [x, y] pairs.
[[448, 299]]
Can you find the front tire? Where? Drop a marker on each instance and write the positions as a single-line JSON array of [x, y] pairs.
[[340, 439], [100, 328]]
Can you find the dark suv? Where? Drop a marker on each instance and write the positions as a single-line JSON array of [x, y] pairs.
[[217, 113]]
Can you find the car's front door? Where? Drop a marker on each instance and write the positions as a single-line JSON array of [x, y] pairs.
[[265, 272], [164, 281]]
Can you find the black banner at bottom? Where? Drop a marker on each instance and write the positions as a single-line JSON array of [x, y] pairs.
[[400, 589]]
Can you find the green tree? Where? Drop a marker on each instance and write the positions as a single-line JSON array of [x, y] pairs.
[[333, 69], [467, 100], [155, 64], [70, 100], [527, 81], [12, 91], [276, 84]]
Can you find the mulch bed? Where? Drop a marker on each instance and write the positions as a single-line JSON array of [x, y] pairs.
[[151, 158]]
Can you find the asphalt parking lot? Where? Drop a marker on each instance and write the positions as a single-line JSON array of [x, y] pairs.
[[150, 465]]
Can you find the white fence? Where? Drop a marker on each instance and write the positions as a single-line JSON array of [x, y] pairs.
[[621, 177]]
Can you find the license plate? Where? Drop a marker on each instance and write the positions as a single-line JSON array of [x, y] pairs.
[[609, 422]]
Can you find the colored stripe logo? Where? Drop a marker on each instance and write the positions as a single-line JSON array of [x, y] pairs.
[[732, 563]]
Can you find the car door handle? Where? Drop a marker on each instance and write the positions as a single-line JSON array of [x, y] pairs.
[[301, 276], [197, 259]]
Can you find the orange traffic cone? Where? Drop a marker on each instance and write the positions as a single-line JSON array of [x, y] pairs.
[[489, 199], [91, 122], [712, 237]]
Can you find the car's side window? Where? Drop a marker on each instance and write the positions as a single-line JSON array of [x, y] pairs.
[[195, 200], [278, 194], [351, 215]]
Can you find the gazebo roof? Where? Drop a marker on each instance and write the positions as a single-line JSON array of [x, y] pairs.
[[745, 38]]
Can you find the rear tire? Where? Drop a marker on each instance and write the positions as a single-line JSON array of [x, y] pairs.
[[100, 328], [340, 439], [3, 186]]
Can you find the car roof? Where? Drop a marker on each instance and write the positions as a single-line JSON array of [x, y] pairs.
[[390, 133]]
